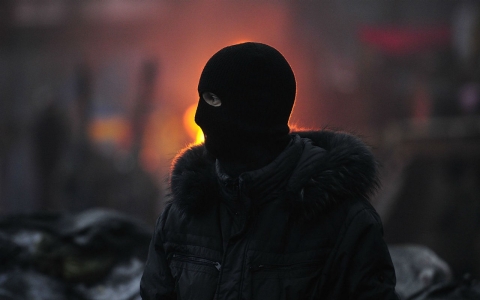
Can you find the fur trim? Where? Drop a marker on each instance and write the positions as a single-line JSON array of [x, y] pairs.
[[193, 182], [345, 170]]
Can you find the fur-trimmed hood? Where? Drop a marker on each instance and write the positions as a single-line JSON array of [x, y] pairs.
[[329, 168]]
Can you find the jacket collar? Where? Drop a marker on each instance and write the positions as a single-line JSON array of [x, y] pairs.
[[268, 181], [326, 168]]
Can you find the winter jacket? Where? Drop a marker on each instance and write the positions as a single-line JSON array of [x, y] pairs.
[[299, 228]]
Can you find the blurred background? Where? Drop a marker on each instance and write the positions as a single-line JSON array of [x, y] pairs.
[[97, 97]]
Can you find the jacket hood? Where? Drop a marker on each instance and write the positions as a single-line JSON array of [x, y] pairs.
[[332, 167]]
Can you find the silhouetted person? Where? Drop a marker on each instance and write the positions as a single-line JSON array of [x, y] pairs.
[[259, 212]]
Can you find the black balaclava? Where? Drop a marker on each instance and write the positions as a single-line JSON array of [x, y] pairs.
[[255, 87]]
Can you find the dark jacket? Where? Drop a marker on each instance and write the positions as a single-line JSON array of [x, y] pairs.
[[299, 228]]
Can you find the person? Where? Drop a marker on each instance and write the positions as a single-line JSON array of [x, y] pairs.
[[260, 211]]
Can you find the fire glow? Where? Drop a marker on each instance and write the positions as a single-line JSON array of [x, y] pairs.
[[192, 128]]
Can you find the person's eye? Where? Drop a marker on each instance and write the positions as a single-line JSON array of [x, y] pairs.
[[211, 99]]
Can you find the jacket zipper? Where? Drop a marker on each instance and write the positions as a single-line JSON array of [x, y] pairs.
[[196, 260], [236, 189], [253, 223], [289, 267]]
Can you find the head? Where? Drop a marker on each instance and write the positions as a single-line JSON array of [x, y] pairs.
[[247, 92]]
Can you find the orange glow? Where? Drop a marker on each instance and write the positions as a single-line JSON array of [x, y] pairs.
[[192, 128], [114, 129], [241, 41]]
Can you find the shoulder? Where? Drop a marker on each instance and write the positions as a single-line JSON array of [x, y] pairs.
[[345, 175], [353, 213], [362, 212]]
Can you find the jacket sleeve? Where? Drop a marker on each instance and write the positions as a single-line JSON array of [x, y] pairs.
[[157, 282], [365, 267]]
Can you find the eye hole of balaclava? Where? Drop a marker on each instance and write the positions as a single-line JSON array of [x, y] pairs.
[[212, 99]]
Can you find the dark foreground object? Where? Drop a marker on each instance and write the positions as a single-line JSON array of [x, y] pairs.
[[100, 255], [97, 254], [422, 275]]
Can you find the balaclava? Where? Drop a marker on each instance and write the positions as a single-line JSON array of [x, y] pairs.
[[251, 90]]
